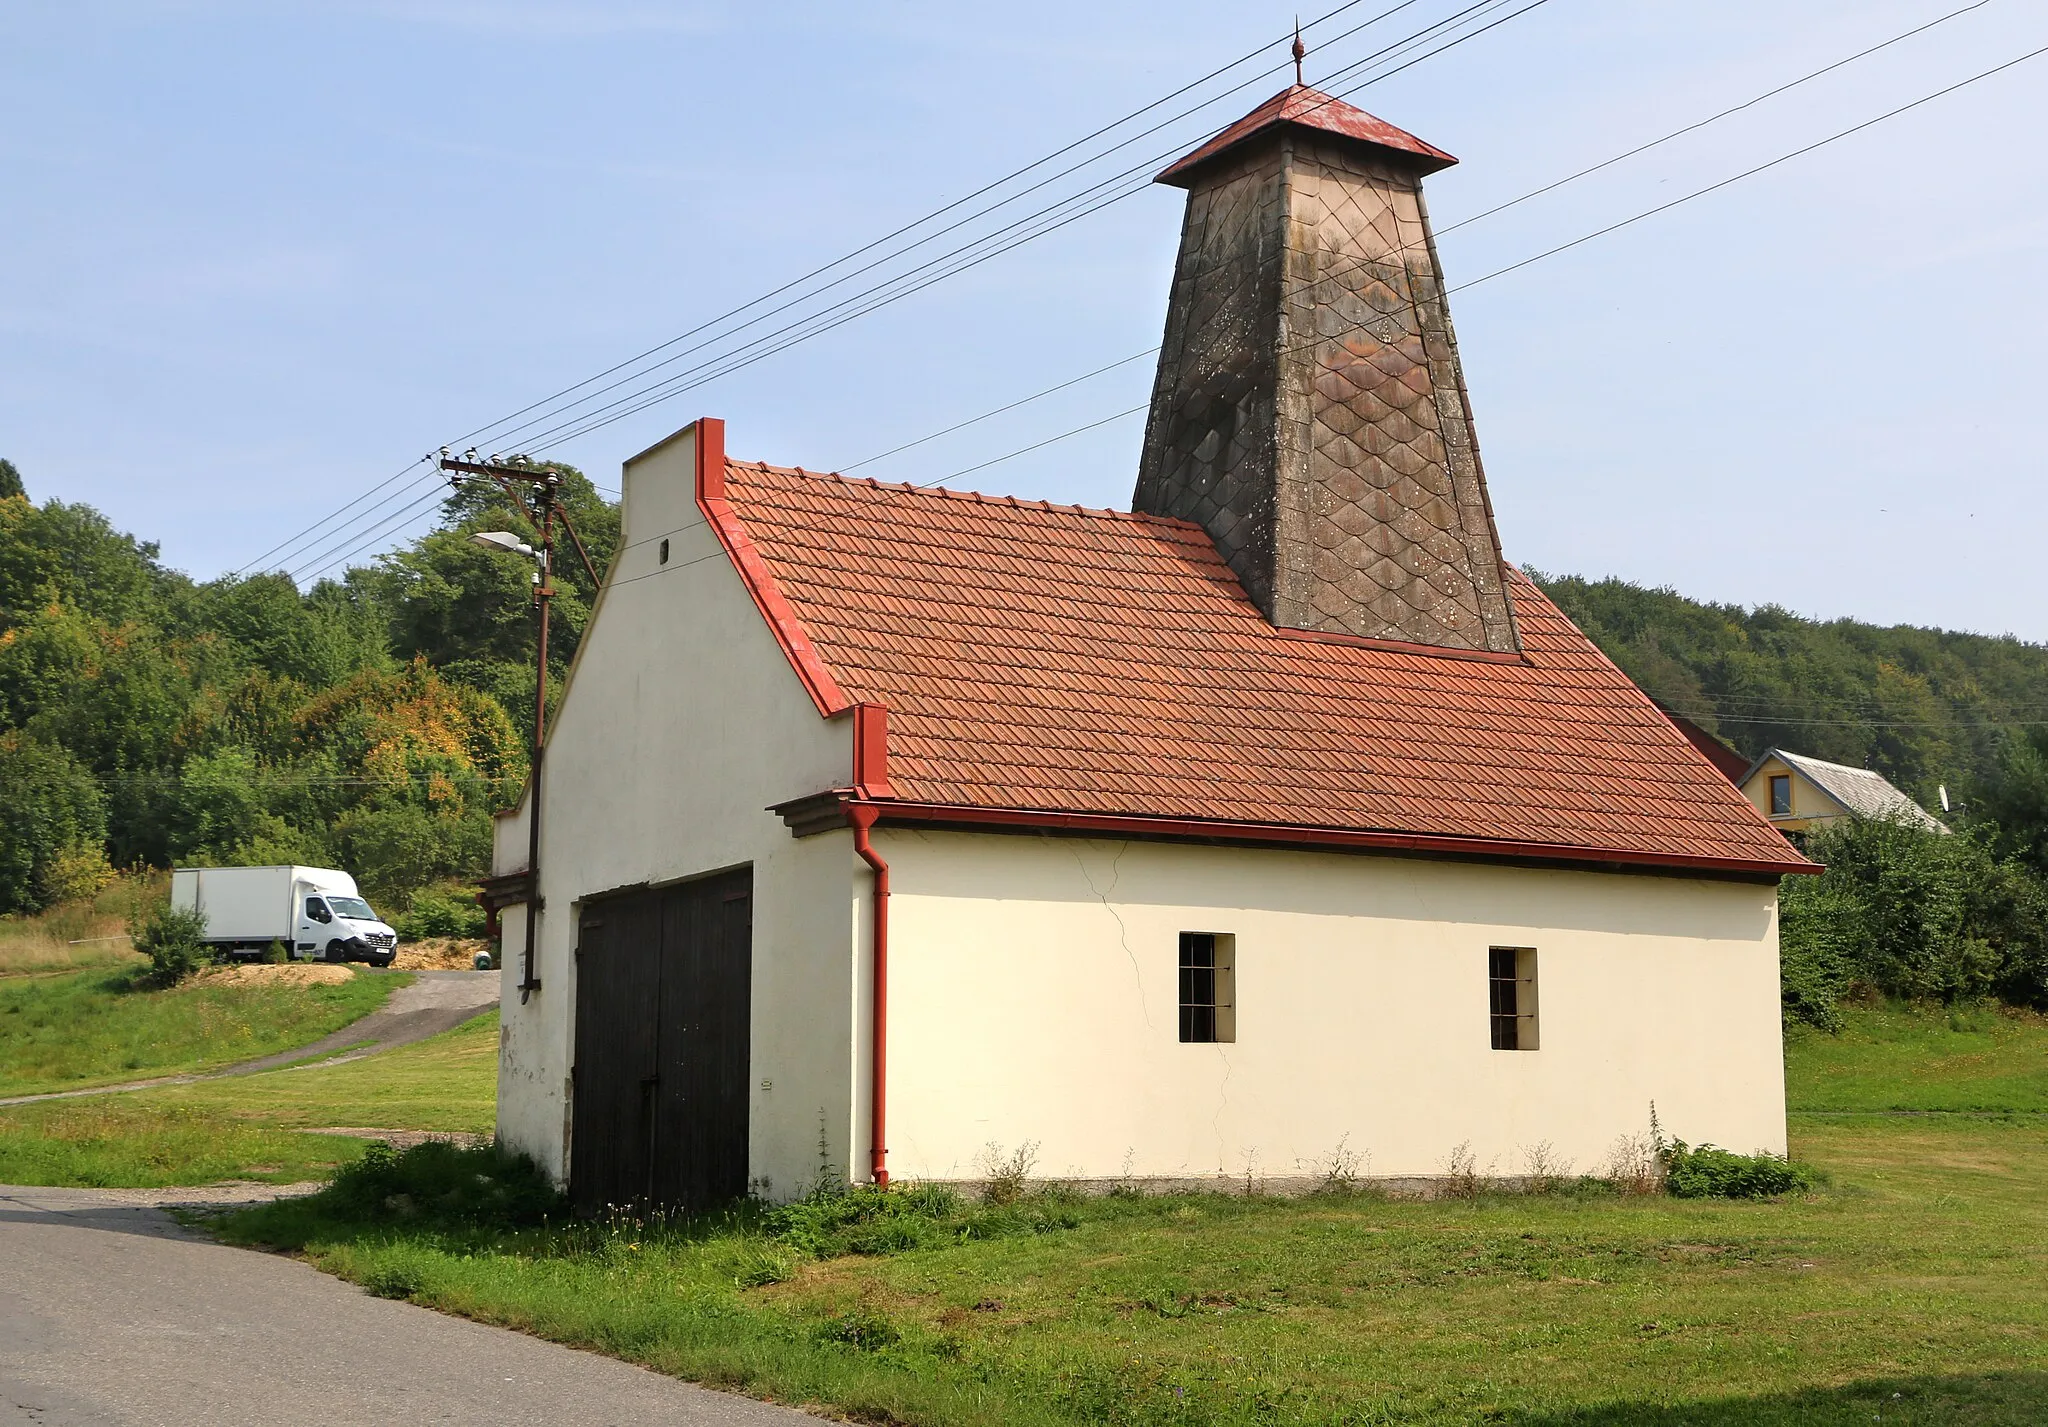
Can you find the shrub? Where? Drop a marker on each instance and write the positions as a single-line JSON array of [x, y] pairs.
[[77, 873], [1708, 1172], [174, 940], [275, 954], [1911, 913], [435, 912], [438, 1183]]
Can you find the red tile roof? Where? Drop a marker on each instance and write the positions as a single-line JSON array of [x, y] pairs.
[[1311, 109], [1052, 658]]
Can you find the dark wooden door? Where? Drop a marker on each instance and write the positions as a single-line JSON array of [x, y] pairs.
[[701, 1125], [664, 992], [618, 962]]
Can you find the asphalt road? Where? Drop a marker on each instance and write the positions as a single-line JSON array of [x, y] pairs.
[[112, 1315]]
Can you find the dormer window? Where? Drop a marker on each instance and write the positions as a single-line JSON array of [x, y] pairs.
[[1781, 795]]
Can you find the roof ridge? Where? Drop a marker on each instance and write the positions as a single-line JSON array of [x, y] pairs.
[[1135, 517], [1787, 754]]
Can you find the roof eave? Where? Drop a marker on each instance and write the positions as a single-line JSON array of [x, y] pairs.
[[1183, 172], [803, 818]]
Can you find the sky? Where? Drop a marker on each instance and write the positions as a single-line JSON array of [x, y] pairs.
[[256, 259]]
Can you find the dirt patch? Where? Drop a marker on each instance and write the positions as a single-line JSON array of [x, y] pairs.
[[289, 973], [441, 953], [406, 1139]]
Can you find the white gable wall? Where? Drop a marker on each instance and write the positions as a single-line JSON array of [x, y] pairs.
[[1033, 997], [682, 723]]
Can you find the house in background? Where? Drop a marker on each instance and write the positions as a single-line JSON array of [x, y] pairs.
[[1717, 752], [1799, 794], [884, 825]]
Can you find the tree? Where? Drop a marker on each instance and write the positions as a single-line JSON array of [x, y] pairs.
[[49, 806], [2013, 798], [10, 480], [1910, 912], [469, 611]]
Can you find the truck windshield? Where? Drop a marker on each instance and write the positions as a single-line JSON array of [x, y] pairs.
[[354, 908]]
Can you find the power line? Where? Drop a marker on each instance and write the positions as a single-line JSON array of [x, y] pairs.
[[1752, 172], [988, 188], [1713, 118], [1049, 220], [975, 420], [799, 300], [1490, 212], [290, 541], [1026, 450], [1358, 264], [939, 212], [329, 558]]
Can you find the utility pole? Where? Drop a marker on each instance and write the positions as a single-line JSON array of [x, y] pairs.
[[538, 495]]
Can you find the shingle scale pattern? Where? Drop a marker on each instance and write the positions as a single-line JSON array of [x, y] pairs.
[[1058, 659]]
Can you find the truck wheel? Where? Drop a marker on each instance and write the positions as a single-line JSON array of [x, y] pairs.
[[337, 951]]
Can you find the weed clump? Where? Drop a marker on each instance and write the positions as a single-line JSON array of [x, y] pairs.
[[832, 1221], [1709, 1172], [438, 1184]]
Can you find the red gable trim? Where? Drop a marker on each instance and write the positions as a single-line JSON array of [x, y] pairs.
[[753, 572], [1326, 839]]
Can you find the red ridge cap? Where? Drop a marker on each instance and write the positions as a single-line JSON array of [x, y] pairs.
[[1308, 108], [755, 575], [1135, 517]]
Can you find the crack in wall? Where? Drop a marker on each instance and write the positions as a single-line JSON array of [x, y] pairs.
[[1123, 933]]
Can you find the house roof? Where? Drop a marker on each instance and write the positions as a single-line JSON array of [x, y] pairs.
[[1308, 108], [1860, 791], [1733, 765], [1073, 661]]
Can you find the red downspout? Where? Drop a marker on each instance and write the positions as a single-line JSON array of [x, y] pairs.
[[863, 818]]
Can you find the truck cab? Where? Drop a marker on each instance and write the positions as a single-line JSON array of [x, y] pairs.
[[334, 925]]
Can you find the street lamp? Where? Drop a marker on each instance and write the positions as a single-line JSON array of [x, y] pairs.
[[538, 495], [503, 540]]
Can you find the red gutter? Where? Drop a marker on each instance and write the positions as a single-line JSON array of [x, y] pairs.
[[898, 811], [862, 815]]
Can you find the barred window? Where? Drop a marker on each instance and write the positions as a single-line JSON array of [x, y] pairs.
[[1511, 995], [1208, 987]]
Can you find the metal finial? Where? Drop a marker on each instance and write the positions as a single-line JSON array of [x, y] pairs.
[[1300, 50]]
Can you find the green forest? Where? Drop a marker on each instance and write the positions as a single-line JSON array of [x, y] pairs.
[[376, 720], [372, 722], [1924, 707]]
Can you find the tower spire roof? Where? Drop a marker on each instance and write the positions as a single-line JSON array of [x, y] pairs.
[[1310, 409], [1302, 106]]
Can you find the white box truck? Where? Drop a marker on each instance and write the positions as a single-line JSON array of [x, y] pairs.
[[315, 912]]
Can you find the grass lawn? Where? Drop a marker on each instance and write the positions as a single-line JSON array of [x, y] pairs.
[[89, 931], [1914, 1058], [1912, 1288], [1921, 1271], [70, 1030], [248, 1127]]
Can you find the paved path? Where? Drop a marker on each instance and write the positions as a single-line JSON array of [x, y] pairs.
[[112, 1315], [436, 1001]]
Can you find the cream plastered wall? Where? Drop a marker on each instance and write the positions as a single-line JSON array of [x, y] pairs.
[[682, 723], [1809, 803], [1033, 997]]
